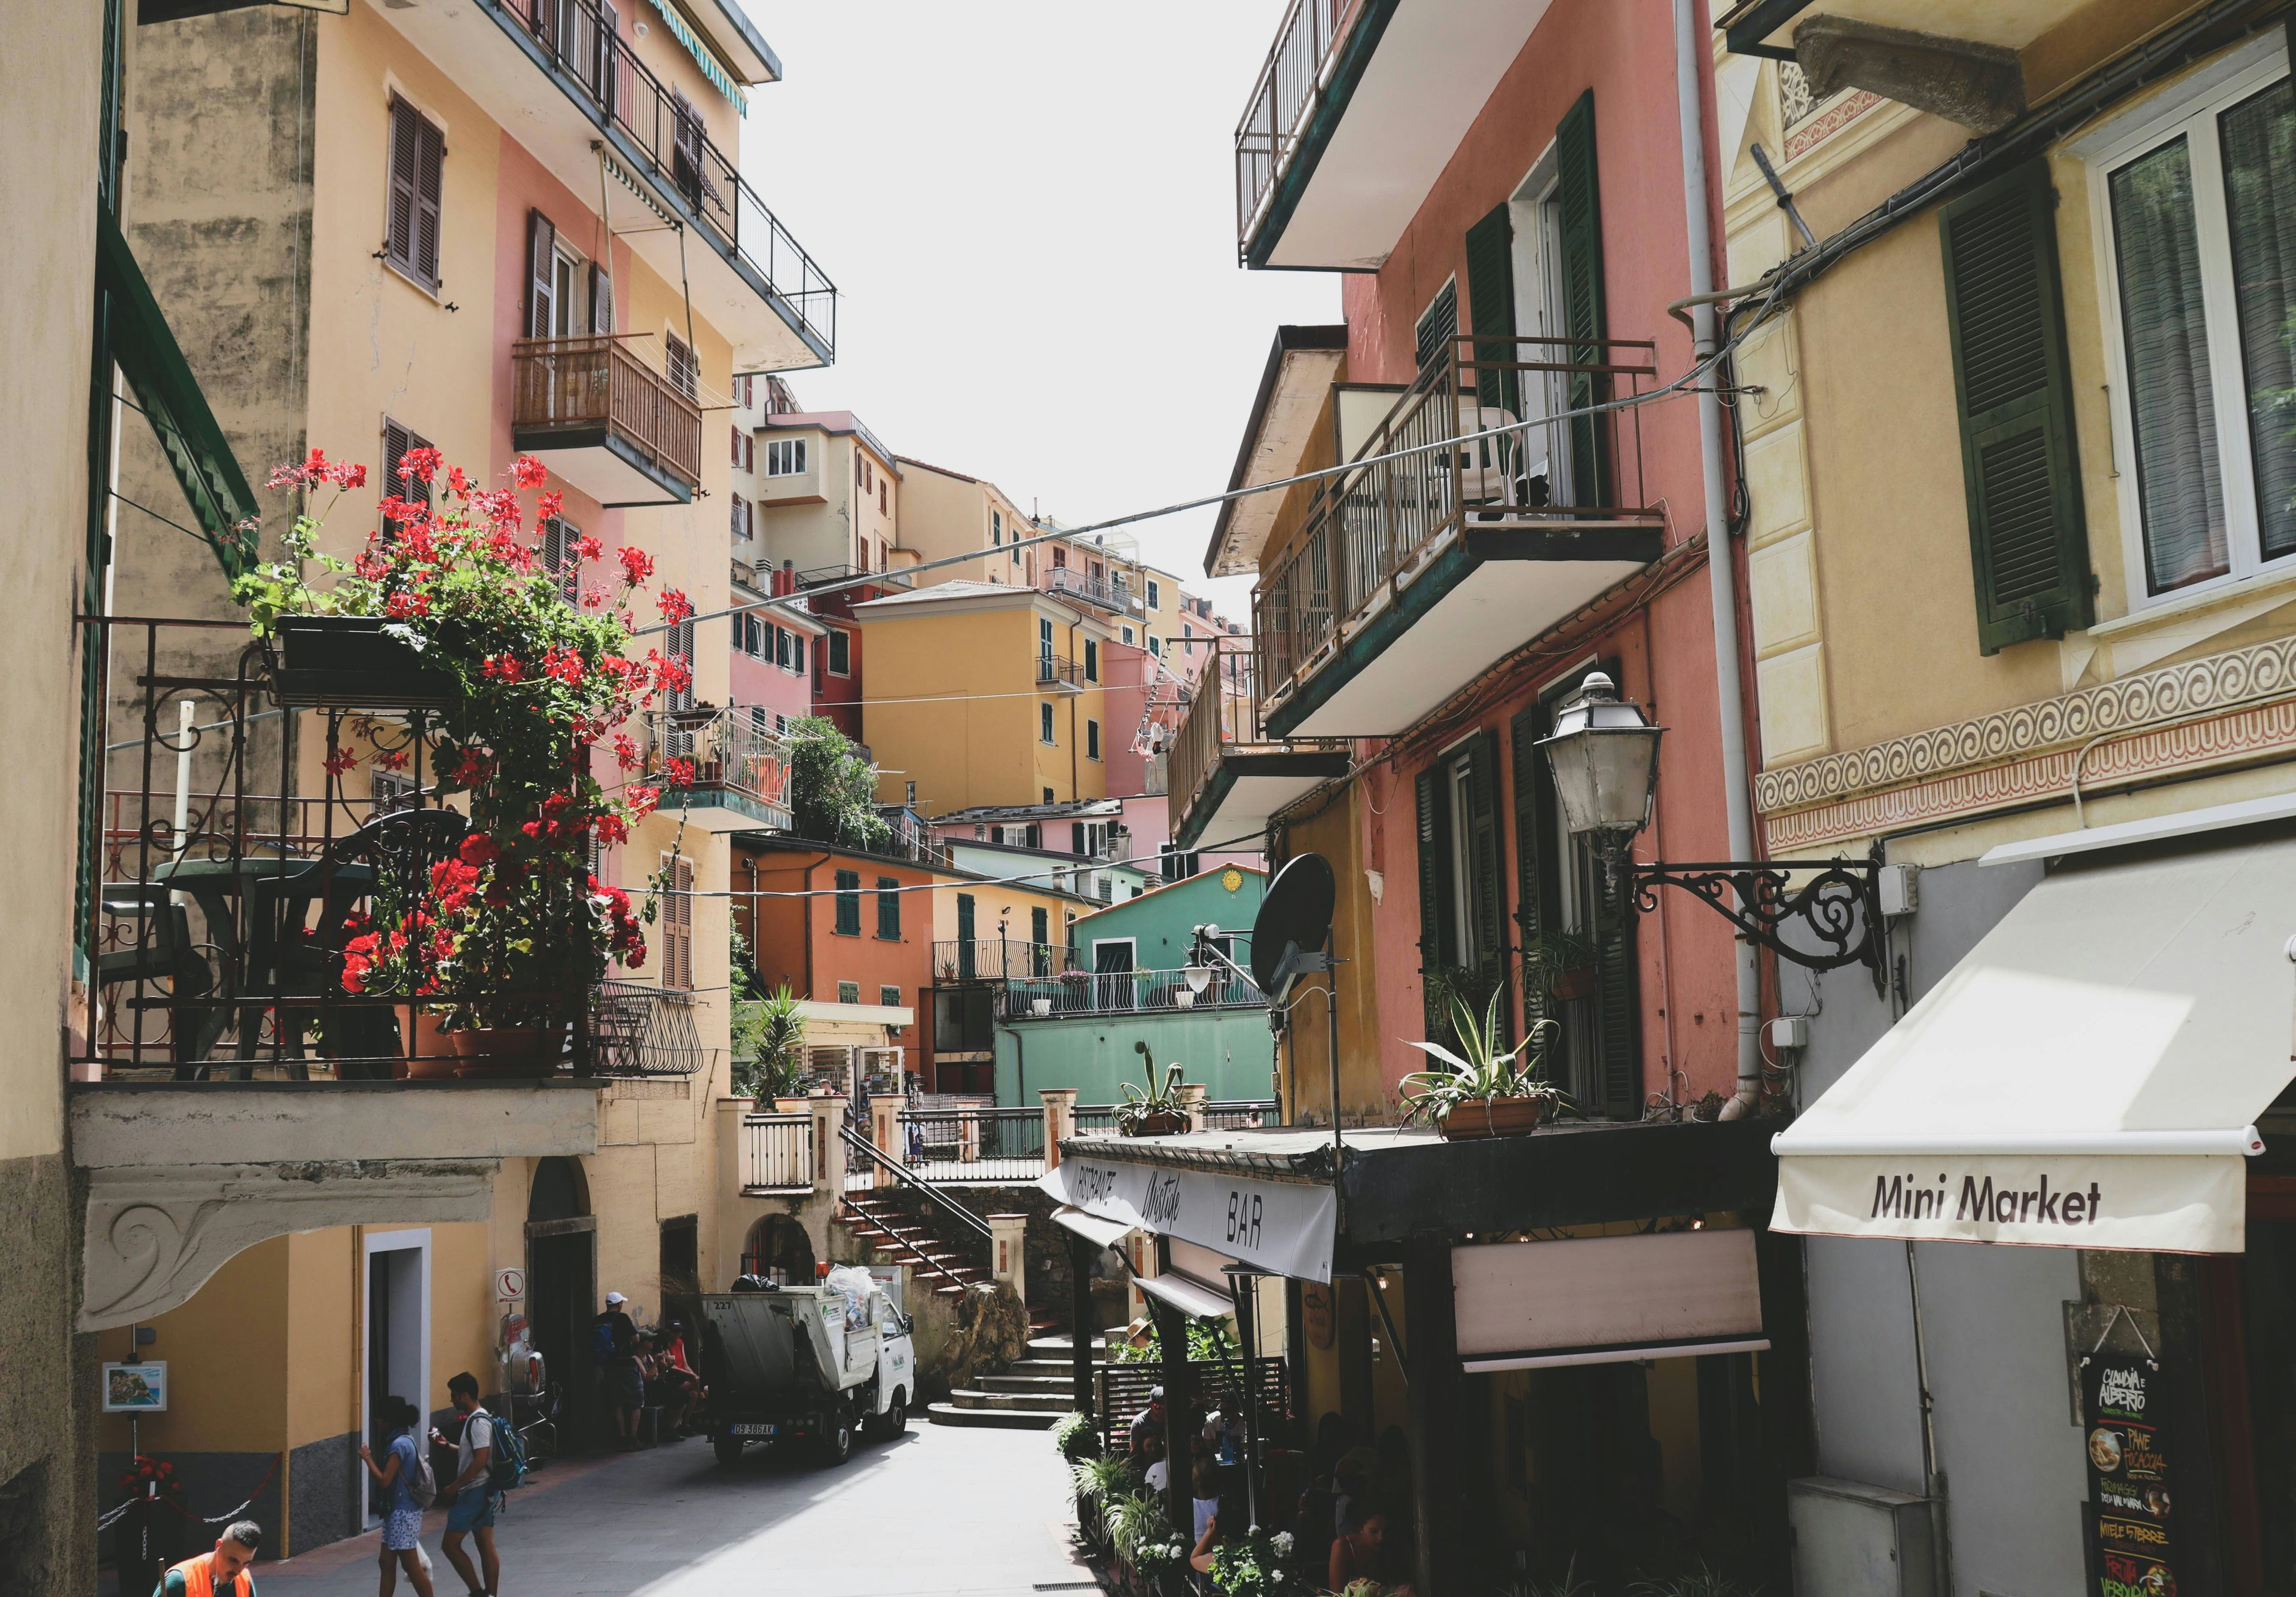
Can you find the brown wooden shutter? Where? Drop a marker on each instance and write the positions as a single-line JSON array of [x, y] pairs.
[[1434, 900], [542, 283], [429, 196], [601, 300], [399, 221]]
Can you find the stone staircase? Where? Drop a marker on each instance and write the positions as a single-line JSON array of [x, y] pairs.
[[883, 1228], [1030, 1395]]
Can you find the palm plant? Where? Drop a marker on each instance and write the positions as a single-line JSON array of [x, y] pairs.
[[768, 1042], [1484, 1071]]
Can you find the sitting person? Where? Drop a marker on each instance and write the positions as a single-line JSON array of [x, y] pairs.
[[1158, 1470], [1355, 1554], [1214, 1509], [681, 1388]]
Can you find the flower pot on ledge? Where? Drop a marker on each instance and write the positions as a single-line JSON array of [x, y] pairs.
[[351, 662], [508, 1053], [1163, 1123], [430, 1054], [1493, 1118], [1570, 985]]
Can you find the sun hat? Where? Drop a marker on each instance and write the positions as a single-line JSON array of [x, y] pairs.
[[615, 1297]]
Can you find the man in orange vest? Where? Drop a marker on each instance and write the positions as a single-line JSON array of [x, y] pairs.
[[223, 1573]]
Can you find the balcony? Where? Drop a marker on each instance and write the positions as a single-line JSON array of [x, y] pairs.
[[1088, 993], [1062, 673], [597, 114], [1410, 576], [1228, 777], [593, 412], [1356, 113], [1069, 583], [999, 959], [722, 769]]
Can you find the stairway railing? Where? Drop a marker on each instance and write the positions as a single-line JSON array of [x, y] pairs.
[[856, 1143]]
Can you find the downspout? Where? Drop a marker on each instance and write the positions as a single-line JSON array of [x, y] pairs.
[[1721, 560], [1019, 1064]]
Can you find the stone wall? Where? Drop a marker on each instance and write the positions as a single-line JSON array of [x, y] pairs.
[[48, 1396]]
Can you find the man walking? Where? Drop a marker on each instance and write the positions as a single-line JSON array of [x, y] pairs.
[[615, 1349], [475, 1498], [222, 1573]]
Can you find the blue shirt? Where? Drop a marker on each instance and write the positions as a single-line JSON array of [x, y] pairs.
[[402, 1448]]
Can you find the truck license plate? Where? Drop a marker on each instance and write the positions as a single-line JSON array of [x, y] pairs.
[[753, 1431]]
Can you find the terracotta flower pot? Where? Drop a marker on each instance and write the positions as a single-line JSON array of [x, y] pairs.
[[430, 1054], [1493, 1118], [507, 1052], [1164, 1123], [1573, 983]]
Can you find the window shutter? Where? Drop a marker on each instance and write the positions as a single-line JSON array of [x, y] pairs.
[[1076, 838], [1579, 196], [1618, 1013], [541, 274], [2006, 317], [602, 298], [398, 223], [396, 442], [1439, 326], [1529, 834], [1040, 931], [1486, 858], [1491, 302], [429, 196], [1434, 848], [679, 366]]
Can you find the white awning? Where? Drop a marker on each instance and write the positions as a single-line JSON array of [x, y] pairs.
[[1606, 1300], [1186, 1296], [1092, 1228], [1284, 1227], [2088, 1076]]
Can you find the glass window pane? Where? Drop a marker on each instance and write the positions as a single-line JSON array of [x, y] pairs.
[[2179, 488], [2260, 159]]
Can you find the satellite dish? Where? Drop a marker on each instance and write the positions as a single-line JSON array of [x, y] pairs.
[[1294, 921]]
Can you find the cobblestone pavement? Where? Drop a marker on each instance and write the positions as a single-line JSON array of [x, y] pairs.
[[952, 1513]]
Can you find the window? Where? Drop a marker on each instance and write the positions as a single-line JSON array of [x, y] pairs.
[[1155, 595], [888, 909], [841, 654], [782, 642], [1044, 640], [397, 440], [1049, 792], [1129, 636], [880, 504], [742, 522], [1439, 325], [558, 536], [678, 364], [786, 457], [681, 646], [752, 635], [738, 436], [996, 529], [2200, 285], [411, 227], [745, 393], [849, 992], [860, 468], [1059, 557], [869, 474], [799, 647], [1092, 660], [889, 996], [1092, 740], [678, 923], [849, 904], [392, 792], [1044, 733], [1155, 647]]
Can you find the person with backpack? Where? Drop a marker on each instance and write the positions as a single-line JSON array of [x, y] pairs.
[[408, 1489], [614, 1350], [487, 1461]]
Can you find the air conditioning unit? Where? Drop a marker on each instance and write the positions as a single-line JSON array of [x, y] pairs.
[[1849, 1537]]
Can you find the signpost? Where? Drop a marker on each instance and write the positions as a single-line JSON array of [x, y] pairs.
[[2124, 1419]]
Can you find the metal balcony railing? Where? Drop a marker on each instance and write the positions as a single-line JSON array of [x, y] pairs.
[[1114, 597], [911, 839], [999, 959], [1058, 670], [1281, 98], [621, 93], [1373, 529], [597, 382], [1123, 993], [728, 749]]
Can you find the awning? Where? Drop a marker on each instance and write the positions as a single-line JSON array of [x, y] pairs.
[[1284, 1227], [1186, 1296], [1092, 1228], [2088, 1076], [1605, 1300]]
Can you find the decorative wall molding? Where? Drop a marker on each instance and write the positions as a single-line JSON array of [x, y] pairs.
[[2234, 737], [154, 1236], [2195, 687]]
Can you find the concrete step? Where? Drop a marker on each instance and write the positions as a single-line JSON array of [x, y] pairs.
[[990, 1419], [1042, 1402], [1052, 1369], [1012, 1382]]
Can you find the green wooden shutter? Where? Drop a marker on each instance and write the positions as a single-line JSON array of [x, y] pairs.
[[1434, 896], [1618, 1013], [1491, 302], [1439, 326], [2005, 315], [1530, 836], [1487, 864], [1578, 193]]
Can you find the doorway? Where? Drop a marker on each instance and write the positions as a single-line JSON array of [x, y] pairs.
[[562, 1287], [397, 1351], [679, 1274]]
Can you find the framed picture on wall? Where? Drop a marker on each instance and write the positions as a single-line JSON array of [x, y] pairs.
[[136, 1389]]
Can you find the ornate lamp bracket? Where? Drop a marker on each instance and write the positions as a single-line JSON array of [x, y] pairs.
[[1835, 913]]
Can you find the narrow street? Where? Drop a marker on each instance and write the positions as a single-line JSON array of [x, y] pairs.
[[975, 1512]]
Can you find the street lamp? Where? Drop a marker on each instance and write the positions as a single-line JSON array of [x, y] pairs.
[[1199, 978], [1604, 757]]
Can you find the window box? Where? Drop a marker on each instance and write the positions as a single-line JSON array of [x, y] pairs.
[[354, 662]]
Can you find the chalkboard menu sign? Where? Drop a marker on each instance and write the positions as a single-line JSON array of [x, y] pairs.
[[2125, 1431]]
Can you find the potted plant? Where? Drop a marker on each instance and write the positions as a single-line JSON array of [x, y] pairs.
[[511, 935], [1487, 1092], [1560, 965], [1255, 1565], [1040, 1007], [1155, 1111]]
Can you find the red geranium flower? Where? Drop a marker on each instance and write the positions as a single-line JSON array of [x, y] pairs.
[[338, 762], [674, 605], [421, 463], [637, 565], [527, 472]]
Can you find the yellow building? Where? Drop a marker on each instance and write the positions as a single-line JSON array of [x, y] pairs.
[[951, 514], [982, 693], [560, 277]]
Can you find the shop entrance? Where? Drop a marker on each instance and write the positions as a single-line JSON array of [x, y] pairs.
[[778, 1250], [562, 1288], [398, 1340]]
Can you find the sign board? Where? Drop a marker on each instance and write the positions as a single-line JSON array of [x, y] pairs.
[[893, 1281], [1316, 1309], [509, 1284], [136, 1389], [2131, 1535], [1285, 1227]]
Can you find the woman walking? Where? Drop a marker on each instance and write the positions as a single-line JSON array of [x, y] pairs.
[[402, 1522]]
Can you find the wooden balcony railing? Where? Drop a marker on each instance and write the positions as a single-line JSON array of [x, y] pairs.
[[596, 380], [1374, 527]]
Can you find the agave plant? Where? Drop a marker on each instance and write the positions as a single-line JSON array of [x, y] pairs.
[[1142, 1108], [1484, 1071]]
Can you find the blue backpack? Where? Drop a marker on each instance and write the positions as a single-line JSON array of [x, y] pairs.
[[507, 1462], [601, 1344]]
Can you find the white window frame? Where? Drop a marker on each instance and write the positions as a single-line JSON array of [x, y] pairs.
[[416, 1241], [2189, 108], [786, 457]]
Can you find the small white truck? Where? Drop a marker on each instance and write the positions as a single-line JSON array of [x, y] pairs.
[[819, 1363]]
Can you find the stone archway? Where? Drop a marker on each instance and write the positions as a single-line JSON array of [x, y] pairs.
[[777, 1246], [561, 1274]]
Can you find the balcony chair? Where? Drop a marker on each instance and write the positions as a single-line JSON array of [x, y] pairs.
[[168, 958]]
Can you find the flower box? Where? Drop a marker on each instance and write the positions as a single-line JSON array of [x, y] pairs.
[[1493, 1118], [351, 662]]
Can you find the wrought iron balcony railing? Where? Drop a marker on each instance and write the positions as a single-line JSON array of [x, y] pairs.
[[1114, 597], [724, 751], [999, 959], [1282, 99], [596, 383], [1058, 670], [1123, 993]]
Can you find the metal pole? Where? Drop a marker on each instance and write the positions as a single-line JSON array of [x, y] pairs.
[[1721, 568], [1244, 1288]]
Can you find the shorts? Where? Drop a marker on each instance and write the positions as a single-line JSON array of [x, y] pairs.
[[402, 1528], [625, 1386], [473, 1510]]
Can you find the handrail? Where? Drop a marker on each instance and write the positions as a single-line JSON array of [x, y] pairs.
[[902, 1173]]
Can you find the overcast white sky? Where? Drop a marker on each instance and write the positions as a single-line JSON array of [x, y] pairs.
[[1028, 206]]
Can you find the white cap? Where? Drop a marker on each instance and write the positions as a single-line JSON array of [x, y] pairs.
[[614, 1297]]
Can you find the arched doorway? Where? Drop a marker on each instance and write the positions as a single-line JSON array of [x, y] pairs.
[[779, 1249], [561, 1286]]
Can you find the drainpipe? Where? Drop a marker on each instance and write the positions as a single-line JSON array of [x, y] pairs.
[[1691, 54]]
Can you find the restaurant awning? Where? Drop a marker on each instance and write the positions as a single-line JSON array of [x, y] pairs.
[[1284, 1226], [1189, 1297], [1092, 1228], [2088, 1076], [1607, 1300]]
